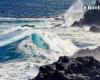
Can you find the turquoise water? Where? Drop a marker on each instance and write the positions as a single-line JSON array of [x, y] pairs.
[[37, 40]]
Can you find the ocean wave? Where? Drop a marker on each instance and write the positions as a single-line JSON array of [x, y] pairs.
[[12, 37]]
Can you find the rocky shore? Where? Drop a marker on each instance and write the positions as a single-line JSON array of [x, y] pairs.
[[80, 68]]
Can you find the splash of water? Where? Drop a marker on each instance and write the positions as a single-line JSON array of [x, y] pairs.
[[75, 13]]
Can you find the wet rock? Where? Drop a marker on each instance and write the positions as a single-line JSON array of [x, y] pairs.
[[80, 68], [93, 16], [78, 24], [90, 17], [95, 29], [64, 59], [75, 24]]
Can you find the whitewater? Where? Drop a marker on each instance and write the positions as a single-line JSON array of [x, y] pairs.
[[44, 43]]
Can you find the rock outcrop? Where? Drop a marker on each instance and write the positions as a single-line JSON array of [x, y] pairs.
[[91, 16], [95, 29], [80, 68]]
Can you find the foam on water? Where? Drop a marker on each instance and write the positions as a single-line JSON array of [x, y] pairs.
[[11, 32], [54, 42], [12, 37]]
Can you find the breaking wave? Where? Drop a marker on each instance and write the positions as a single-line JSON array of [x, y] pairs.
[[75, 13]]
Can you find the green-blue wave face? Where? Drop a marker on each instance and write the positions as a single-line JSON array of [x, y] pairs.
[[37, 40]]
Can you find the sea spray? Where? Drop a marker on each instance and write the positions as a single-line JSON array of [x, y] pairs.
[[75, 13]]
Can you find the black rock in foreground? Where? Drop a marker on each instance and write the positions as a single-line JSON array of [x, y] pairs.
[[80, 68]]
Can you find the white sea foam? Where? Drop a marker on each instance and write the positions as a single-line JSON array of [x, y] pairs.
[[23, 70], [75, 13], [55, 42], [12, 37]]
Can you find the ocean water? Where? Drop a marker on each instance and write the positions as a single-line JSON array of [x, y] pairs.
[[11, 11], [37, 40], [33, 8], [9, 52], [24, 49]]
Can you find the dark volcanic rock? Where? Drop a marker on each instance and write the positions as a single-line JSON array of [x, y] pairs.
[[75, 24], [80, 68], [95, 29], [91, 17], [79, 24]]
